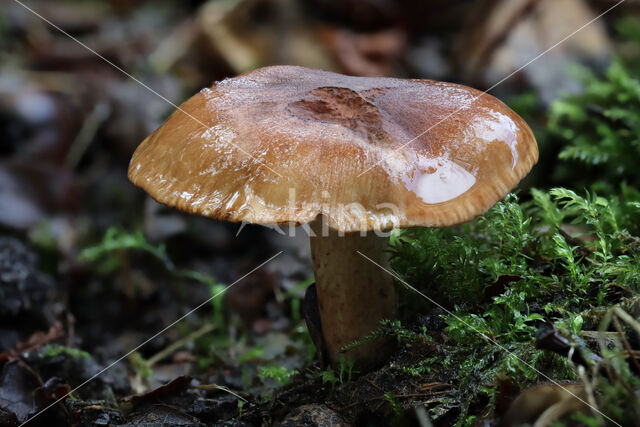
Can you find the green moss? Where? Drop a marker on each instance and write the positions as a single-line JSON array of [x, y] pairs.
[[279, 373], [52, 350], [554, 274], [601, 126]]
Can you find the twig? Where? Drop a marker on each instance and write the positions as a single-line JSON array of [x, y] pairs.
[[374, 384], [588, 388], [604, 325], [208, 327], [219, 387], [398, 396], [433, 385], [86, 134], [626, 317], [625, 343], [598, 334]]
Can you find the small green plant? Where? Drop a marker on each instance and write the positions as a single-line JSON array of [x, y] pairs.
[[72, 396], [393, 403], [115, 242], [279, 373], [251, 354], [343, 374], [141, 367], [421, 368], [116, 239], [52, 350], [345, 369], [572, 324], [329, 376], [241, 404]]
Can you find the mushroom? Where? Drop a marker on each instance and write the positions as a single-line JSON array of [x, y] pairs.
[[351, 157]]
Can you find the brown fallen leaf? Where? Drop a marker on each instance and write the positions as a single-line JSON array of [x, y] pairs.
[[172, 388], [17, 382], [34, 342]]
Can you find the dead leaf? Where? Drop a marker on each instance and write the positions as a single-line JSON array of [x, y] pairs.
[[17, 382], [176, 386], [34, 342]]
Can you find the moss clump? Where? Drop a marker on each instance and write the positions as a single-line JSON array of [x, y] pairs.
[[53, 350], [494, 281]]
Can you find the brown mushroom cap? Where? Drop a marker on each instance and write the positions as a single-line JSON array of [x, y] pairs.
[[285, 144]]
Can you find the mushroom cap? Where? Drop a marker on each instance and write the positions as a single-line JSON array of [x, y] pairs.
[[285, 144]]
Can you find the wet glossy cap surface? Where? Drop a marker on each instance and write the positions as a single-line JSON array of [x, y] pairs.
[[286, 144]]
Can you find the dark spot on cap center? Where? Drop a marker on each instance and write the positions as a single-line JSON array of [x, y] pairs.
[[343, 107]]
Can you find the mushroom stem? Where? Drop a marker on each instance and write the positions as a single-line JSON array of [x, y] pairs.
[[353, 293]]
